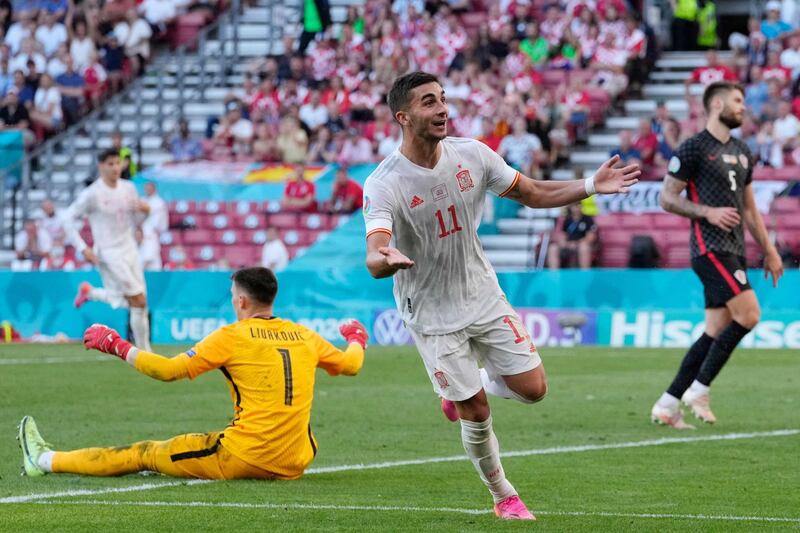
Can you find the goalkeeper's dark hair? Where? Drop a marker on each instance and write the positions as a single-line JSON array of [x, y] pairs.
[[106, 154], [259, 283], [719, 87], [400, 93]]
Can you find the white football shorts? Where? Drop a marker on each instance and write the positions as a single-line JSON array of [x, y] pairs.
[[500, 343], [122, 272]]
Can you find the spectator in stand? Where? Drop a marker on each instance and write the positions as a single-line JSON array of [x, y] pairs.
[[645, 142], [772, 26], [6, 76], [149, 248], [82, 48], [790, 58], [51, 35], [322, 149], [234, 134], [313, 113], [157, 219], [661, 117], [134, 34], [575, 241], [58, 63], [684, 24], [756, 94], [335, 120], [59, 258], [316, 19], [768, 152], [159, 13], [774, 71], [113, 61], [347, 196], [95, 78], [6, 15], [490, 137], [28, 53], [24, 28], [713, 71], [786, 129], [521, 149], [14, 116], [627, 153], [356, 149], [32, 242], [50, 221], [182, 146], [575, 110], [292, 141], [299, 196], [670, 140], [46, 114], [391, 142], [274, 255], [608, 65], [265, 149]]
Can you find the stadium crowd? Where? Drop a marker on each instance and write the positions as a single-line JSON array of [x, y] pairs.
[[528, 78], [60, 58]]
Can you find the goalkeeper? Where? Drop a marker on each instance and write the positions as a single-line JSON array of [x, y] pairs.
[[269, 364]]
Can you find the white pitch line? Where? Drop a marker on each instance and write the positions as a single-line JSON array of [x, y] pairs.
[[332, 507], [430, 460], [93, 492], [561, 449], [54, 360]]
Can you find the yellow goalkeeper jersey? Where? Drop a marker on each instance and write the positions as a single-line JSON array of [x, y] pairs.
[[270, 366]]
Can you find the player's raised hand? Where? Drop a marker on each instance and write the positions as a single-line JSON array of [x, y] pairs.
[[90, 256], [610, 180], [395, 259], [773, 264], [105, 339], [725, 218], [354, 331]]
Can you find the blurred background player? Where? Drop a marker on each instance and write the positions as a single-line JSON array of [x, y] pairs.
[[111, 205], [270, 365], [718, 170], [429, 196]]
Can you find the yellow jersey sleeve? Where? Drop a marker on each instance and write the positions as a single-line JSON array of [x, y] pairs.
[[160, 367], [335, 361], [212, 352]]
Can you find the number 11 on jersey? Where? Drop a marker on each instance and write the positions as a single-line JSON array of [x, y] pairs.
[[454, 227]]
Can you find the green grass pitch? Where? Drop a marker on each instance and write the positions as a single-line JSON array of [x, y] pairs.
[[580, 470]]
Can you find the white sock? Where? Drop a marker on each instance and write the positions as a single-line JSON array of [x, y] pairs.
[[113, 298], [668, 400], [496, 386], [483, 450], [45, 461], [698, 388], [140, 326]]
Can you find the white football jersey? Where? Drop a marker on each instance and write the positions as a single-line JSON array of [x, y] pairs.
[[433, 217], [111, 217]]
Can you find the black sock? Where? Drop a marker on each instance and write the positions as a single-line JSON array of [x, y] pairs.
[[720, 351], [690, 365]]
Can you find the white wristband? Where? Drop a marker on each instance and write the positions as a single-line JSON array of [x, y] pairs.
[[588, 185]]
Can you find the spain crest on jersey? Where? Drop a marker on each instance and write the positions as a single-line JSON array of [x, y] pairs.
[[464, 180]]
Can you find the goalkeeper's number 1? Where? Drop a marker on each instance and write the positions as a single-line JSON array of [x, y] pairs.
[[287, 375]]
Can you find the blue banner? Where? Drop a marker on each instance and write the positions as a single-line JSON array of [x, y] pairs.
[[646, 308]]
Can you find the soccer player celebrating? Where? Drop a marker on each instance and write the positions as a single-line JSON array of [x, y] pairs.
[[270, 365], [111, 205], [428, 196], [717, 169]]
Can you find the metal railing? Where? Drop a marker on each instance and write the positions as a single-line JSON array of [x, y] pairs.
[[18, 195]]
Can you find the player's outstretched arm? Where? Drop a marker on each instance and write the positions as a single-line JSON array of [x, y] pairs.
[[607, 180], [382, 260], [673, 201], [773, 264], [105, 339]]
